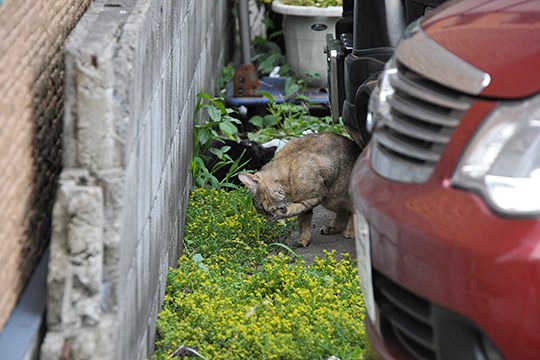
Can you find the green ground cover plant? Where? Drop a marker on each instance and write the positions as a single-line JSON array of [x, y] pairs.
[[237, 295], [238, 291]]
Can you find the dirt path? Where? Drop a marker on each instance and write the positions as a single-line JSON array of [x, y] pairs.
[[319, 242]]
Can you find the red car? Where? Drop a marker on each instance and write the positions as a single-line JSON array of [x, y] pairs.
[[447, 192]]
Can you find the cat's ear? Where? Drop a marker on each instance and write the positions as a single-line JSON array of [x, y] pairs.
[[249, 180]]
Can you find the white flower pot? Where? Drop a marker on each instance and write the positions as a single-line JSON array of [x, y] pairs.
[[304, 32]]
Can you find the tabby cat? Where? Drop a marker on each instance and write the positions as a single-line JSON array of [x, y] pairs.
[[309, 171]]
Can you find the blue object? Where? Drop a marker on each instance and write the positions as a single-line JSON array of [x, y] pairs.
[[276, 88], [18, 339]]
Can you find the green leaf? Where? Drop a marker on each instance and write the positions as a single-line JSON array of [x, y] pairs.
[[220, 153], [203, 267], [228, 128], [269, 120], [257, 121], [203, 95], [219, 104], [303, 97], [214, 113], [269, 63], [269, 96], [291, 87], [284, 246], [225, 148], [197, 258], [231, 119], [204, 135]]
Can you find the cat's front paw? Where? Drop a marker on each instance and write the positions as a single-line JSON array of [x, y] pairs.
[[277, 213], [329, 230]]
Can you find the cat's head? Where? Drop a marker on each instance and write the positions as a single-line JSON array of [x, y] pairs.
[[266, 195]]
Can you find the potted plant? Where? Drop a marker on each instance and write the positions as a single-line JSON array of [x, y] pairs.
[[305, 25]]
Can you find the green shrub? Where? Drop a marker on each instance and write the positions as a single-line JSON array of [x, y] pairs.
[[230, 299]]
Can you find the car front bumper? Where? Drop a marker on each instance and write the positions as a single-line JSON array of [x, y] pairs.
[[465, 276]]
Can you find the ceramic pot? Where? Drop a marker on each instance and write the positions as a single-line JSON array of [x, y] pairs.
[[304, 32]]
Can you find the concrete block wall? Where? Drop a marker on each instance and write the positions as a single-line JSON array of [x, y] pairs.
[[133, 69]]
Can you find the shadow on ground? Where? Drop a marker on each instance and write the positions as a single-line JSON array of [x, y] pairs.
[[320, 242]]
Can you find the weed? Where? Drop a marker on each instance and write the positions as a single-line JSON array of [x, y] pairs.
[[225, 223], [220, 118], [284, 120], [267, 56], [288, 120], [228, 299]]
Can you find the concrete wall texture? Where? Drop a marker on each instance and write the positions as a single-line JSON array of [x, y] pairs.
[[32, 35], [133, 69]]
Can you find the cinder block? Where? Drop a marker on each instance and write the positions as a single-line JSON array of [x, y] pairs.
[[166, 52], [141, 285], [155, 147], [168, 100]]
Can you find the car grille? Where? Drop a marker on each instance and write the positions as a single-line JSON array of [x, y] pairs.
[[412, 134], [405, 317]]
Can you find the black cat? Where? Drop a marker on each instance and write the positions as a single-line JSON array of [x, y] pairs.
[[253, 152]]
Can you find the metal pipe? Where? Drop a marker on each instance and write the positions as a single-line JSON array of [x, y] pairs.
[[245, 36]]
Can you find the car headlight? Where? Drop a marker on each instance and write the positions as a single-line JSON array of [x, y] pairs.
[[502, 162]]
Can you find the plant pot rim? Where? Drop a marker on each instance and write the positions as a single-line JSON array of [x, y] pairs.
[[296, 10]]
